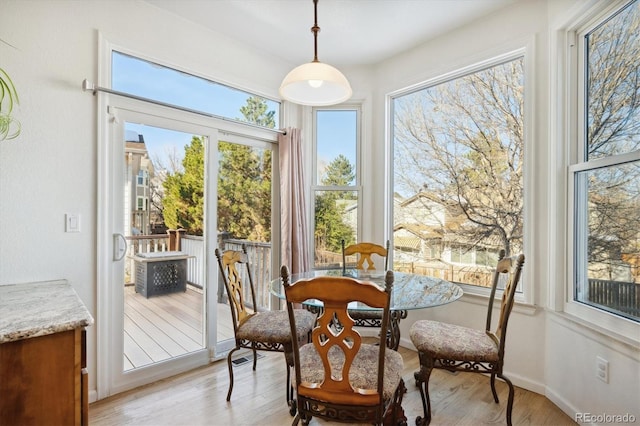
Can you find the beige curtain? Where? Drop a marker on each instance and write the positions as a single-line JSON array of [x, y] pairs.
[[294, 249]]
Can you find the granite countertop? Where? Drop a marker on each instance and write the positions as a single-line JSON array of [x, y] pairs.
[[40, 308]]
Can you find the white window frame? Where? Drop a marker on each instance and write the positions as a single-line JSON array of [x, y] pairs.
[[144, 175], [526, 297], [145, 203], [230, 130], [571, 67], [357, 188]]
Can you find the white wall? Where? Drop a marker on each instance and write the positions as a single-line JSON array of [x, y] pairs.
[[546, 352], [50, 169]]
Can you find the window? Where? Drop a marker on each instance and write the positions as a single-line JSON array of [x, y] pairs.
[[142, 203], [143, 178], [604, 176], [336, 189], [458, 171], [153, 81]]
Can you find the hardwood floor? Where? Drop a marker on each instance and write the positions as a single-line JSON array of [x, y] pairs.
[[198, 398]]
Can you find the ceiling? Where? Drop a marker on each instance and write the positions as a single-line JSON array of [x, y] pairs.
[[353, 32]]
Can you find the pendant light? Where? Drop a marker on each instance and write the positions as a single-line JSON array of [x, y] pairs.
[[315, 83]]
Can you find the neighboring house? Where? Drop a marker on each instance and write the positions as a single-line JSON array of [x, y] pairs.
[[349, 213], [138, 175], [425, 240], [420, 226], [614, 239]]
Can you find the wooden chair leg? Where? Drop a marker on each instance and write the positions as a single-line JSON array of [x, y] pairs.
[[230, 364]]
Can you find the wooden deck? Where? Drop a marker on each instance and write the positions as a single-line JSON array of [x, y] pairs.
[[166, 326]]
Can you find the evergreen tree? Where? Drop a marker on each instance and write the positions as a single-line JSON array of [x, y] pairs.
[[244, 181], [244, 185], [184, 191], [255, 111], [244, 192], [331, 227], [339, 172]]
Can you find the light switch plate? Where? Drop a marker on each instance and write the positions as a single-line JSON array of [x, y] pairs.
[[72, 222]]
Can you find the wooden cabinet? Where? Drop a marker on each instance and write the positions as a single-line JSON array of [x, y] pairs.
[[43, 376], [43, 380]]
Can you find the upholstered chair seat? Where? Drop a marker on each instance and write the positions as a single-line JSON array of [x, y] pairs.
[[267, 327], [360, 314], [364, 370], [453, 341]]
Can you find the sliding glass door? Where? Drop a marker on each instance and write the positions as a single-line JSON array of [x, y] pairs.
[[162, 267]]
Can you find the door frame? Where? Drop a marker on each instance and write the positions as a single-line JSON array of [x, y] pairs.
[[112, 109], [112, 292]]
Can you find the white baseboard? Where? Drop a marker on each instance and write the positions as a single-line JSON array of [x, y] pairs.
[[562, 403]]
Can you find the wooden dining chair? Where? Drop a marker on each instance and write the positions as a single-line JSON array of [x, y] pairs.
[[456, 348], [253, 329], [338, 377], [363, 252]]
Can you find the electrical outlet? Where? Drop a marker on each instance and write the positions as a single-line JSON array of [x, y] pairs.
[[602, 369]]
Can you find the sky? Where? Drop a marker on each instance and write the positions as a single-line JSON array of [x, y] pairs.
[[336, 128]]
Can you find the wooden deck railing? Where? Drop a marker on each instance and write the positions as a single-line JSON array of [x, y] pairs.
[[619, 296], [193, 246], [623, 297], [260, 262], [474, 275], [259, 259], [142, 244]]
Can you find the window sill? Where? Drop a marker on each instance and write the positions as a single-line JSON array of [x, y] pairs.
[[483, 299]]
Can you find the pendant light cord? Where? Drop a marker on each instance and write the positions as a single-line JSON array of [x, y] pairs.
[[315, 29]]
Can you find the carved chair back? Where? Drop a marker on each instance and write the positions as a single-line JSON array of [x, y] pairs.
[[364, 251], [335, 334], [235, 271], [508, 273]]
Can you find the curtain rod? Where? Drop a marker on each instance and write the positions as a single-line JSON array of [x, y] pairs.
[[87, 85]]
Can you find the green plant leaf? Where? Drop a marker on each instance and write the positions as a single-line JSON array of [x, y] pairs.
[[8, 98]]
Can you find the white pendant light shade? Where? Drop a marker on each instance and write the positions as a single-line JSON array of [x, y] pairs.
[[315, 84]]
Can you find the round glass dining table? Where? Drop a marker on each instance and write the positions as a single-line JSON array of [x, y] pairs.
[[409, 291]]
